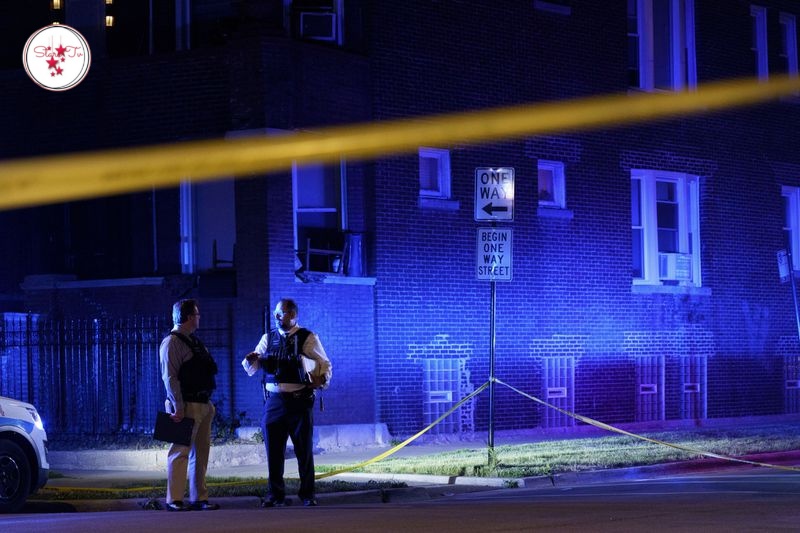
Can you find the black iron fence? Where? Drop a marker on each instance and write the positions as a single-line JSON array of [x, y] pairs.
[[89, 376]]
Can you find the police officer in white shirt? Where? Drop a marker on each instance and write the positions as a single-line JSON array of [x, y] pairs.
[[294, 365]]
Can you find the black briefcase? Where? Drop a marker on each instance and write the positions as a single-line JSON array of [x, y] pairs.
[[168, 430]]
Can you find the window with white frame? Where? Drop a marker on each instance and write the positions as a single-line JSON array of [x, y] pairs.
[[665, 228], [551, 184], [320, 207], [633, 43], [316, 20], [661, 45], [789, 44], [759, 44], [434, 173], [791, 223], [207, 241], [188, 249]]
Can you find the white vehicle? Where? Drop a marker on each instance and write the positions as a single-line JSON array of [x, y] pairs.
[[23, 454]]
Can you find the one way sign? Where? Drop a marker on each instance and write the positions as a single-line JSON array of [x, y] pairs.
[[494, 193]]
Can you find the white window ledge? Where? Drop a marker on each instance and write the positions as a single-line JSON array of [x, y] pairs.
[[554, 212], [442, 204], [670, 289], [551, 7], [336, 279], [58, 282]]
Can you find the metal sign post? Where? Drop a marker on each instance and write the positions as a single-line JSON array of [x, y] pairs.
[[493, 299], [493, 263], [494, 200]]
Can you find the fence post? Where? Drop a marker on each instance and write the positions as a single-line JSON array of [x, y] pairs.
[[29, 357]]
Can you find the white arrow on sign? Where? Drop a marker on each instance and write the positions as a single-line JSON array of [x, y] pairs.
[[494, 193]]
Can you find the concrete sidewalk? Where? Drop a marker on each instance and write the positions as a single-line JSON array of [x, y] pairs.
[[246, 461], [114, 468]]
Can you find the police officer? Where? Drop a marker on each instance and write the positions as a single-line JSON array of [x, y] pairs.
[[294, 364], [188, 371]]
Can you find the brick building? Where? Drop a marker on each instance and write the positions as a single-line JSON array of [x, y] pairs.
[[645, 286]]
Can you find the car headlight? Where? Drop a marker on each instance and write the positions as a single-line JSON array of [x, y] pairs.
[[37, 420]]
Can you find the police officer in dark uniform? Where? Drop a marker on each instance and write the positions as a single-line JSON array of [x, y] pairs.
[[294, 364], [188, 371]]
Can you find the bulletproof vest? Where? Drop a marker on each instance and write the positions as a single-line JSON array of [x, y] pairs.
[[284, 362], [196, 374]]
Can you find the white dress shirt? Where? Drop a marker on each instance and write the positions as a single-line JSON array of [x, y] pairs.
[[315, 361]]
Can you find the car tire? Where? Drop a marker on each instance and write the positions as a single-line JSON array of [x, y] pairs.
[[15, 477]]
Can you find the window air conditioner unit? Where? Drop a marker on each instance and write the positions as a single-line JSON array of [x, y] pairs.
[[675, 267], [318, 26]]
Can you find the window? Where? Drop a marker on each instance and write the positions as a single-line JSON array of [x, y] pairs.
[[633, 43], [441, 389], [665, 228], [791, 223], [187, 227], [207, 241], [319, 215], [789, 44], [316, 20], [759, 44], [551, 184], [142, 28], [661, 48], [434, 173]]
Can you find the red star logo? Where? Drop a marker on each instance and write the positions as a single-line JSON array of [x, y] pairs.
[[61, 50], [59, 70], [52, 74], [51, 63]]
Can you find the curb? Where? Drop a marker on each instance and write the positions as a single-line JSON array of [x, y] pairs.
[[432, 487], [396, 495]]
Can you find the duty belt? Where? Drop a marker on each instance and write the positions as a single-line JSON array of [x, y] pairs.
[[197, 397]]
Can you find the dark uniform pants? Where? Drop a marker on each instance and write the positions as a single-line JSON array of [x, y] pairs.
[[289, 416]]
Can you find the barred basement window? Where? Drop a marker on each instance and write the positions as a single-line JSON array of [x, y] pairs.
[[650, 388], [441, 378], [694, 369], [559, 390], [791, 378]]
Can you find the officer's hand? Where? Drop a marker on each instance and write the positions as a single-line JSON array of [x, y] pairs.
[[317, 382], [252, 357], [177, 416]]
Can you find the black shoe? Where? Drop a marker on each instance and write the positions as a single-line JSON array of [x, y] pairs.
[[177, 506], [310, 502], [203, 505], [274, 503]]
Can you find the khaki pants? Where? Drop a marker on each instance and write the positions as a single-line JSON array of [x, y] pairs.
[[193, 458]]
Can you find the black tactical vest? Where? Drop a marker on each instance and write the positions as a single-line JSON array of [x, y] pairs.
[[197, 374], [283, 362]]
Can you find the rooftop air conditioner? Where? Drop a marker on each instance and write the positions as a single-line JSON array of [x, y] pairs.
[[318, 26], [675, 267]]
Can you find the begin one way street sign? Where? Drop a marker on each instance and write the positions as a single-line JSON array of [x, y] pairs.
[[494, 193], [494, 254]]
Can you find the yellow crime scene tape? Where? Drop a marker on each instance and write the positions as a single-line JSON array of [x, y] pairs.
[[375, 459], [60, 178], [608, 427], [395, 449], [50, 179], [409, 440]]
